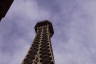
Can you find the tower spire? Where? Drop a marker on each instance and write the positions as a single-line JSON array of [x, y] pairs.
[[41, 49]]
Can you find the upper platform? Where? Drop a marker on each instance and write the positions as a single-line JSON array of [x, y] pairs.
[[43, 23]]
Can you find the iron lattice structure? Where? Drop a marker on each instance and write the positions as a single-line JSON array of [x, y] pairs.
[[4, 6], [41, 49]]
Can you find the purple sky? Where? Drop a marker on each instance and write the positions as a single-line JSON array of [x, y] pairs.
[[74, 22]]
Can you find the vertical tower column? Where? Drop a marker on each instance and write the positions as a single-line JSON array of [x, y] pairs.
[[41, 50]]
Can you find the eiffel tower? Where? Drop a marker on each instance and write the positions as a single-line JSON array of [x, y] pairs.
[[41, 50], [4, 6]]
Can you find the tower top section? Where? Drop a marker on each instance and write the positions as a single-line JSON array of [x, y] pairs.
[[45, 23]]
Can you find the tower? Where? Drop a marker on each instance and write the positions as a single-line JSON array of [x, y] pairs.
[[4, 6], [41, 49]]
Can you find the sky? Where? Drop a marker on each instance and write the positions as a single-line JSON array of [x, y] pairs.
[[74, 23]]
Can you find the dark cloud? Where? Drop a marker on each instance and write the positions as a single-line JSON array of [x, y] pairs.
[[49, 5]]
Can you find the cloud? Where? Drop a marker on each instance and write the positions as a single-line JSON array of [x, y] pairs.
[[17, 30], [79, 47], [74, 25]]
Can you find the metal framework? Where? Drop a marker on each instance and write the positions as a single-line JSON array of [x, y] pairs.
[[41, 49], [4, 7]]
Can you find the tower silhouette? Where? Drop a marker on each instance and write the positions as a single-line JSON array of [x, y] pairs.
[[41, 49], [4, 6]]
